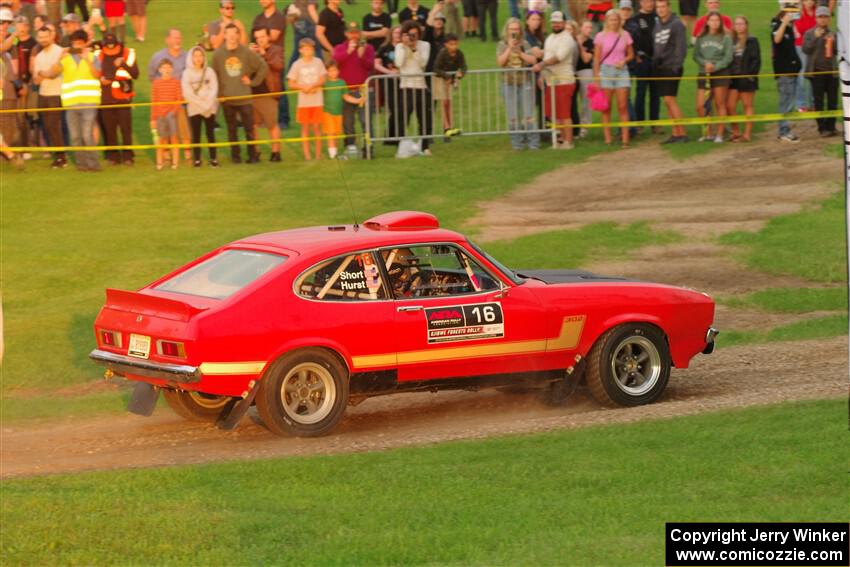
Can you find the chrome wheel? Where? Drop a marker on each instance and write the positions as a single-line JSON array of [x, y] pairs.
[[209, 401], [308, 393], [636, 365]]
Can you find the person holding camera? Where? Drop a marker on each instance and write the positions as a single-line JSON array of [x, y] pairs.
[[819, 45], [80, 71], [119, 69], [786, 64], [411, 58], [514, 52], [355, 58]]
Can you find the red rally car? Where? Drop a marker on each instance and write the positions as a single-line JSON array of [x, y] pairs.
[[304, 322]]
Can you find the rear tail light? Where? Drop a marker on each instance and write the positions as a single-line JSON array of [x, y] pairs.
[[110, 338], [170, 348]]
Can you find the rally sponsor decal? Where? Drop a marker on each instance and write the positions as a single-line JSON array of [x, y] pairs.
[[464, 322]]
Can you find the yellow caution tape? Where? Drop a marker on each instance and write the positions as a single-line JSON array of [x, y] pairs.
[[694, 121], [172, 102]]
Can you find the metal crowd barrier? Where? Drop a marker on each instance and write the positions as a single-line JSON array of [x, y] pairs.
[[484, 102]]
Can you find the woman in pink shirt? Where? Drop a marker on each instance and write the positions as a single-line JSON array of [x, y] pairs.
[[612, 51], [804, 23]]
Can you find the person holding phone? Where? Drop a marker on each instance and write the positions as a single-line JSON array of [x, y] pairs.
[[819, 45], [786, 63]]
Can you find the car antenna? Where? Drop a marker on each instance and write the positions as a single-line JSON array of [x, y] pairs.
[[348, 194]]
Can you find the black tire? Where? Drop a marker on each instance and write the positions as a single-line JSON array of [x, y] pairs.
[[631, 380], [195, 406], [315, 381]]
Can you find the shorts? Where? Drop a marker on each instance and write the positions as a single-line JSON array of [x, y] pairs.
[[331, 124], [669, 87], [166, 126], [744, 85], [441, 89], [613, 78], [706, 82], [8, 122], [309, 115], [137, 7], [114, 8], [470, 9], [688, 7], [265, 111], [563, 101]]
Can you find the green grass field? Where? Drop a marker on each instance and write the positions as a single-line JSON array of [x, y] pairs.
[[596, 496]]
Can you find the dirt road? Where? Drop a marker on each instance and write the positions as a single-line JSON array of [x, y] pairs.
[[734, 188], [732, 378]]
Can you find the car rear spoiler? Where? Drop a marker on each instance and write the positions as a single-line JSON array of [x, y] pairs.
[[151, 305]]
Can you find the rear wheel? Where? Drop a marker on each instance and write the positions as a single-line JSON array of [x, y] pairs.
[[195, 406], [629, 365], [304, 394]]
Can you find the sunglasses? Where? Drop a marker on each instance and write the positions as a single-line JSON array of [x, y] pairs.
[[231, 8]]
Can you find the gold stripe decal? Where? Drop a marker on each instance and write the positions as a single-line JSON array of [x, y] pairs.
[[569, 337], [228, 368]]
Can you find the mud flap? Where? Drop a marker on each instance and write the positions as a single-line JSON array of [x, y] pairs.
[[236, 409], [143, 400]]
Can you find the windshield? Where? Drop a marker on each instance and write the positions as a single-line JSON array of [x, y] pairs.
[[222, 275], [501, 267]]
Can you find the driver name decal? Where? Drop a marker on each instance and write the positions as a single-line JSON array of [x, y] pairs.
[[464, 322]]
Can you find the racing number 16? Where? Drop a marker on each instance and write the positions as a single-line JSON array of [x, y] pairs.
[[488, 313]]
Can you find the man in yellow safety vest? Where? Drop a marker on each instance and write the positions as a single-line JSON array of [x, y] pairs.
[[80, 71]]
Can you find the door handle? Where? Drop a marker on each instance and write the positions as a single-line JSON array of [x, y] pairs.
[[409, 308]]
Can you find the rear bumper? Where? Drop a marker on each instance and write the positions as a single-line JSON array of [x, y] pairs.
[[123, 365], [710, 335]]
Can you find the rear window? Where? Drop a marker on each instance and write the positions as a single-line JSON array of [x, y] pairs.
[[222, 275]]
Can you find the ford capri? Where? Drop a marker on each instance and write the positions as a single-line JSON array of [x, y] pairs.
[[303, 323]]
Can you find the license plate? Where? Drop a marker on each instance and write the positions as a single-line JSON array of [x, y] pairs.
[[140, 346]]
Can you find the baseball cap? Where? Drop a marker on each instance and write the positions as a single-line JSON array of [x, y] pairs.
[[72, 17], [352, 27], [20, 19], [822, 11], [626, 4], [6, 15], [440, 16], [109, 38], [556, 16]]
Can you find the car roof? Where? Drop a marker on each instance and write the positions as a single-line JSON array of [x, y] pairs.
[[330, 240]]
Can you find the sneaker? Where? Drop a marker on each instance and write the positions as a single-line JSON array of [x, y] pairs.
[[173, 166], [213, 163], [58, 164], [236, 159], [129, 161], [196, 163], [159, 167], [275, 157], [452, 132], [682, 140], [26, 156], [253, 158], [427, 152], [582, 133], [719, 140], [657, 130], [705, 139], [789, 137], [670, 140], [566, 146]]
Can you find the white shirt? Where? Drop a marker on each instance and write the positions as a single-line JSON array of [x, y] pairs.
[[44, 62], [562, 47], [411, 62]]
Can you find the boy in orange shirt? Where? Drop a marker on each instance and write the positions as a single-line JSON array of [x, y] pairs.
[[164, 116]]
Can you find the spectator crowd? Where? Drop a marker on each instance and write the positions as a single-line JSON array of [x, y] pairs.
[[70, 76]]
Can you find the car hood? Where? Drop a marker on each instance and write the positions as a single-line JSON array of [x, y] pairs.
[[567, 276]]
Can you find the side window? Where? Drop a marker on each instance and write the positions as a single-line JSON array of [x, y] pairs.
[[433, 271], [355, 277]]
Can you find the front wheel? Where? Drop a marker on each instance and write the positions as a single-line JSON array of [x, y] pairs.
[[195, 406], [629, 365], [304, 394]]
